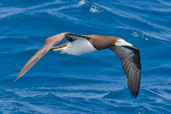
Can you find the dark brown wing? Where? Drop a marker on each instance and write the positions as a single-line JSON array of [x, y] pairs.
[[71, 37], [49, 43], [130, 59]]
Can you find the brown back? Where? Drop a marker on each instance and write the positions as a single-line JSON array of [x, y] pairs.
[[103, 42]]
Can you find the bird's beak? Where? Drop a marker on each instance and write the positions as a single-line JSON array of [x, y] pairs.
[[57, 49]]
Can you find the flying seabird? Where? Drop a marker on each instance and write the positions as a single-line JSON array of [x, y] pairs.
[[79, 44]]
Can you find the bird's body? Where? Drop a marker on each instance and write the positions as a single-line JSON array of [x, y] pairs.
[[81, 44], [78, 47]]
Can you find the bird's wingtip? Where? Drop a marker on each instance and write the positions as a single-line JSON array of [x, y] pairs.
[[134, 95], [17, 78]]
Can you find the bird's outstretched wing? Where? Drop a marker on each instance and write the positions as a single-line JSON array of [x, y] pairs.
[[130, 59], [49, 43]]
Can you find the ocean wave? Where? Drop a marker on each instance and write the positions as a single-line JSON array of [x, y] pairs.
[[70, 100]]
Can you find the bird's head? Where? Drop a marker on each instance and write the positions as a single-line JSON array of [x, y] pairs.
[[121, 42]]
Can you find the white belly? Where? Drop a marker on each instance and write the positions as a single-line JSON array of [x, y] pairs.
[[78, 47]]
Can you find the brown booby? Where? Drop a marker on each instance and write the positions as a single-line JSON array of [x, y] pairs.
[[80, 44]]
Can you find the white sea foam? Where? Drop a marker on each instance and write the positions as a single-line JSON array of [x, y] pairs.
[[94, 9], [82, 2]]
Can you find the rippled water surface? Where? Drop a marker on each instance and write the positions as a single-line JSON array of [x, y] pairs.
[[89, 83]]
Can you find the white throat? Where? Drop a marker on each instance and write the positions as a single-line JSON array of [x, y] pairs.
[[78, 47]]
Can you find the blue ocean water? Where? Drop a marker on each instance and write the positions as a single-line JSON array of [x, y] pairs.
[[92, 83]]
